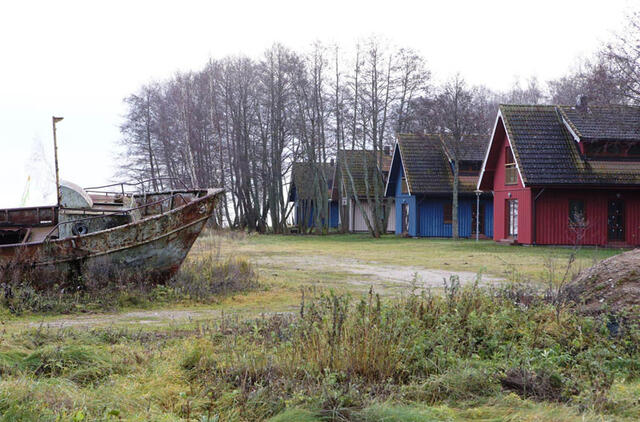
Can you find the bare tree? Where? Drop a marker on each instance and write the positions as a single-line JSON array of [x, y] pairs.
[[413, 80], [373, 93], [621, 60], [457, 114], [595, 78], [532, 94]]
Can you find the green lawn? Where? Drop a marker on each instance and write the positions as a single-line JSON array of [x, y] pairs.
[[528, 263]]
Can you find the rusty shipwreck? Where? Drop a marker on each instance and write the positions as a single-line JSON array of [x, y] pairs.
[[121, 226]]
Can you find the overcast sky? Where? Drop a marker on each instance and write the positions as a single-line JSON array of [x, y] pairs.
[[79, 59]]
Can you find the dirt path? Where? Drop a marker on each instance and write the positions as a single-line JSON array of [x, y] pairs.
[[368, 273]]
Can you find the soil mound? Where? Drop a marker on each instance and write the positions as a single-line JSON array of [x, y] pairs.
[[612, 286]]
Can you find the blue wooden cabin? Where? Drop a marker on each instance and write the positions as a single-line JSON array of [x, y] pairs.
[[305, 180], [421, 180]]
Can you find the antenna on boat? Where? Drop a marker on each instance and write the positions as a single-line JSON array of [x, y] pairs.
[[55, 151]]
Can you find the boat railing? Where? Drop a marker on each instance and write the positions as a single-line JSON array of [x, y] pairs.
[[138, 186], [128, 211], [32, 216]]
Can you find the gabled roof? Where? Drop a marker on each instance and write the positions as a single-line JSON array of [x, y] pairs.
[[611, 122], [303, 176], [544, 144], [470, 148], [362, 165], [427, 164]]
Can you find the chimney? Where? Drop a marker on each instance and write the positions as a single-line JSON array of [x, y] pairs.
[[387, 150], [582, 102]]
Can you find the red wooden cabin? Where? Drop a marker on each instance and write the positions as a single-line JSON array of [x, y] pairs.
[[562, 175]]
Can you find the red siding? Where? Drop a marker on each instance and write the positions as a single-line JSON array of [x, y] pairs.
[[503, 192], [632, 202], [551, 211], [552, 216]]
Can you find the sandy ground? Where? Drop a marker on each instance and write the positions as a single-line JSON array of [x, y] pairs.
[[367, 273]]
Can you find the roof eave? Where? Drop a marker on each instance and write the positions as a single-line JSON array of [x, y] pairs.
[[570, 128], [393, 156], [404, 169], [486, 154], [513, 150]]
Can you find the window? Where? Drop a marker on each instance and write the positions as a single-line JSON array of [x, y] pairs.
[[512, 218], [447, 211], [469, 168], [576, 212], [611, 149], [634, 150], [405, 188], [511, 171]]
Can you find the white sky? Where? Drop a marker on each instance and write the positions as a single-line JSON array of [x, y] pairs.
[[79, 59]]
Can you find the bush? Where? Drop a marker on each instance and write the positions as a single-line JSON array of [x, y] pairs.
[[204, 277], [471, 344]]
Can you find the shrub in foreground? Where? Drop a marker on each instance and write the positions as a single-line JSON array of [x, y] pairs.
[[201, 279], [342, 354]]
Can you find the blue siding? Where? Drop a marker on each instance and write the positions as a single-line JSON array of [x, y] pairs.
[[426, 213], [304, 212], [334, 213], [302, 209], [488, 217], [403, 198], [431, 217]]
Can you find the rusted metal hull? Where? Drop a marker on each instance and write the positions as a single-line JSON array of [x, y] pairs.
[[153, 247]]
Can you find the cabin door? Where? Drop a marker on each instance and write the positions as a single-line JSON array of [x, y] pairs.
[[475, 215], [615, 221], [405, 218], [512, 218]]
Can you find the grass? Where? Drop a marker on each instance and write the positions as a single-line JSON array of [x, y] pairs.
[[269, 353], [520, 262], [419, 358]]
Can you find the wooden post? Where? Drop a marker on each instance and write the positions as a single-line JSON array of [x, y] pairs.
[[478, 192]]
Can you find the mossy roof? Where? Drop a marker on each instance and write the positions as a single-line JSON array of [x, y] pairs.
[[548, 154], [363, 166], [427, 165], [304, 177]]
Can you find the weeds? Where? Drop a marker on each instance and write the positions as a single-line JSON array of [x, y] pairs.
[[341, 358], [203, 279], [472, 353], [340, 354]]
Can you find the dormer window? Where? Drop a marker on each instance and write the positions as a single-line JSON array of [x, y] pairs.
[[611, 149], [511, 172], [469, 168]]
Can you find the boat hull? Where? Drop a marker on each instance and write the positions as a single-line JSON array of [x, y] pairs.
[[152, 248]]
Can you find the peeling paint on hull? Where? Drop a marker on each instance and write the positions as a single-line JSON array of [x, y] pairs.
[[154, 246]]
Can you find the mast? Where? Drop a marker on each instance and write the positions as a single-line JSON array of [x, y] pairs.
[[55, 120]]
